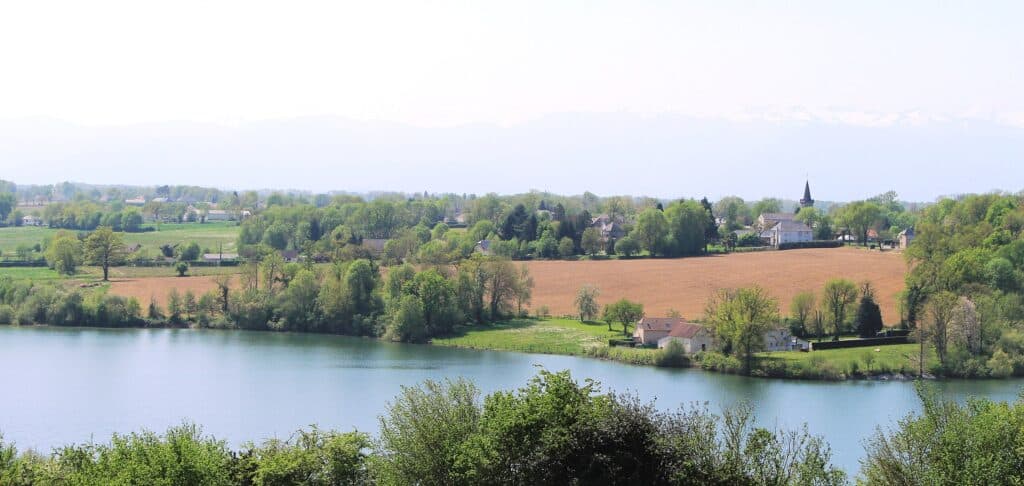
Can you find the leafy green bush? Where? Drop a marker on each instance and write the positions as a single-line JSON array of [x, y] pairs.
[[673, 355], [948, 443]]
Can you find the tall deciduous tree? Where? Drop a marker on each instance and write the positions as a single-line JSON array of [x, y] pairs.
[[687, 225], [64, 253], [940, 310], [651, 230], [837, 298], [586, 302], [502, 283], [624, 312], [591, 241], [859, 217], [223, 283], [741, 317], [104, 248], [801, 309]]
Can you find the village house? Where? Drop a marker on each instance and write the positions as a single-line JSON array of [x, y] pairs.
[[767, 221], [905, 238], [650, 329], [790, 232], [694, 338], [193, 214], [219, 257], [31, 220], [780, 339], [218, 215], [779, 228], [610, 228], [136, 201]]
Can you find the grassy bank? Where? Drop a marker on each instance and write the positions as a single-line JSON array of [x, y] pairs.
[[848, 363], [571, 337], [559, 336], [546, 336]]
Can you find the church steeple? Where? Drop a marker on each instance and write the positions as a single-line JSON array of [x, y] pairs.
[[806, 201]]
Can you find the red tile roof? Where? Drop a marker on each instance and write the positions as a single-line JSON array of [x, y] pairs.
[[685, 330], [658, 323]]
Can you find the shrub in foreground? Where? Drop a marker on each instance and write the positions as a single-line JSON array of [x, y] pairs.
[[980, 442], [552, 431]]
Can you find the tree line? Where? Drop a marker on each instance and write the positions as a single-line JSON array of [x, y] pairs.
[[963, 292], [347, 297]]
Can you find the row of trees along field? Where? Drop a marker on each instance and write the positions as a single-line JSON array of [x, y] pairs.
[[348, 297], [531, 225]]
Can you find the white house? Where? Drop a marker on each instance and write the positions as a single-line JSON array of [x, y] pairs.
[[905, 238], [219, 215], [790, 232], [694, 338], [219, 257], [767, 221], [780, 339], [31, 220]]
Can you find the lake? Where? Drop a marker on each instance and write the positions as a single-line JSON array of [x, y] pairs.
[[63, 385]]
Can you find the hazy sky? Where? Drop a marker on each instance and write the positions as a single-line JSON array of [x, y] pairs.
[[442, 64]]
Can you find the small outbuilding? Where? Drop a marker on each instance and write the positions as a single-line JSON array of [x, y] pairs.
[[695, 338]]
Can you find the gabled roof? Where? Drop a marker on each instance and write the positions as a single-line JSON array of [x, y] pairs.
[[907, 232], [659, 323], [685, 330], [778, 216]]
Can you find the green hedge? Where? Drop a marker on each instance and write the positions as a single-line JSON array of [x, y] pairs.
[[811, 244], [859, 343]]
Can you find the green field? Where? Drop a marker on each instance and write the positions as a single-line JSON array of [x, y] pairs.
[[872, 360], [30, 273], [549, 336], [208, 235], [571, 337]]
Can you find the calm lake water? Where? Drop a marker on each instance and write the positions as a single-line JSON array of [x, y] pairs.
[[63, 385]]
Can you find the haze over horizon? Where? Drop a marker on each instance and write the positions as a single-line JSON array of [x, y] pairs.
[[665, 99]]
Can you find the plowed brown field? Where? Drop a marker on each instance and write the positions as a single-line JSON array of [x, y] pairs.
[[685, 284], [145, 288]]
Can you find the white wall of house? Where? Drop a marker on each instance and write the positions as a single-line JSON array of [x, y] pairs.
[[782, 340], [701, 342], [648, 337], [795, 236]]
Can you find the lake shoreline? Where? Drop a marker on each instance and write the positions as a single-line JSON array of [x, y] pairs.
[[640, 357]]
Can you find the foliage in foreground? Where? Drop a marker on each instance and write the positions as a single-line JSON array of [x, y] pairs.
[[553, 431], [980, 442]]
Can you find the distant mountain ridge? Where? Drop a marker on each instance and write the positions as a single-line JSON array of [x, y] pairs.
[[665, 156]]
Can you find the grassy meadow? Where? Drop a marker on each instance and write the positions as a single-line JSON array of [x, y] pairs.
[[894, 358], [571, 337], [549, 336], [207, 235], [36, 274]]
